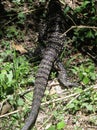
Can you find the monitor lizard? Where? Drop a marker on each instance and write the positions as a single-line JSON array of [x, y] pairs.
[[55, 26]]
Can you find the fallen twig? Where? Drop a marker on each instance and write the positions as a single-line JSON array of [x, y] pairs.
[[13, 112], [71, 95], [80, 27]]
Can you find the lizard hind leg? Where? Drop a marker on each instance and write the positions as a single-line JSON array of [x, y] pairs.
[[62, 75]]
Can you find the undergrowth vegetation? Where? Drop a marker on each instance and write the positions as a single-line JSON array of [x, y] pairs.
[[62, 108]]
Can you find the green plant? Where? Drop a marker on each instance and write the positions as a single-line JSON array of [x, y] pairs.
[[14, 32], [86, 101], [13, 72], [17, 74], [21, 17], [60, 125], [86, 72], [86, 15], [53, 75]]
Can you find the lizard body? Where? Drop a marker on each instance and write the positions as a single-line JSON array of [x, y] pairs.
[[54, 44]]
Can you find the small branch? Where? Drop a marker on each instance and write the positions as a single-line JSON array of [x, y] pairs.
[[79, 27], [72, 95], [59, 99], [45, 122], [5, 115], [25, 92], [55, 100], [73, 99]]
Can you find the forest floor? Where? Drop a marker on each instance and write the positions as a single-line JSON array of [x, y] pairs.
[[62, 108]]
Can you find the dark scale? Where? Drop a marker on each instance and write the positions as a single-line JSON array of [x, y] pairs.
[[54, 26]]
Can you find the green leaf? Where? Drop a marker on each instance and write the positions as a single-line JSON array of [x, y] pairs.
[[86, 80], [16, 1], [89, 107], [51, 128], [66, 9], [78, 90], [71, 105], [92, 76], [21, 15], [10, 76], [3, 72], [90, 34], [20, 102], [61, 125], [81, 75]]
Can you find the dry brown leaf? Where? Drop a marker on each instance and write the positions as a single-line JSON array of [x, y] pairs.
[[19, 48], [5, 108]]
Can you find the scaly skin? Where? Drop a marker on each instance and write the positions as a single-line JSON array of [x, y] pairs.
[[54, 47]]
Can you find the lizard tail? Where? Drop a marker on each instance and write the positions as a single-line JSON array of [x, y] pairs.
[[40, 86], [53, 49]]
